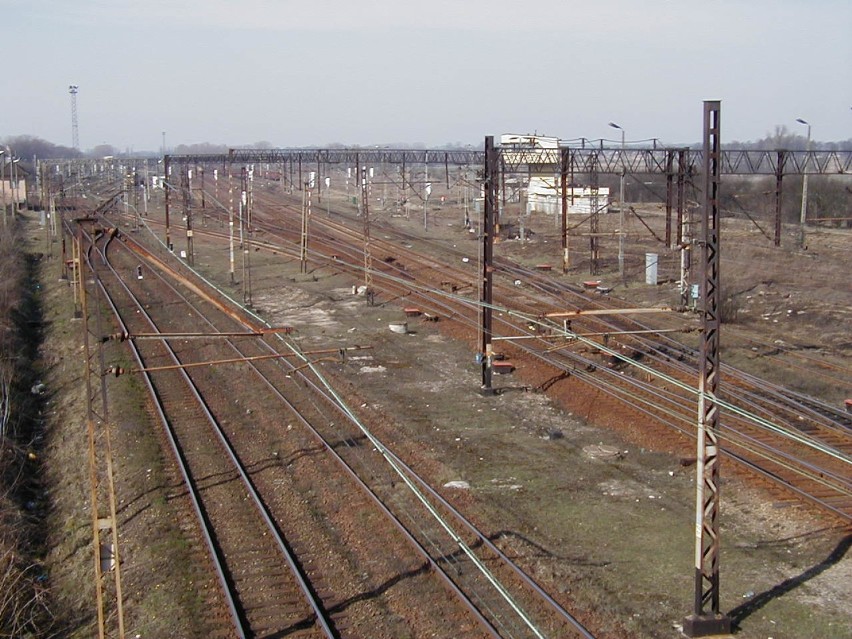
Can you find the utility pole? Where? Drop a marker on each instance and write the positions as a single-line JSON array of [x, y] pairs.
[[563, 184], [669, 197], [306, 214], [361, 174], [706, 620], [3, 182], [804, 215], [621, 205], [779, 175], [186, 190], [594, 237], [166, 172], [231, 219], [247, 211], [683, 230], [486, 284], [328, 196]]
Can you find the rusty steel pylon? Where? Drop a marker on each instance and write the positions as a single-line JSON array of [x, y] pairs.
[[706, 619], [186, 192], [564, 162], [246, 232], [361, 173], [779, 175], [303, 240], [167, 169], [594, 226], [683, 231], [670, 243], [489, 228]]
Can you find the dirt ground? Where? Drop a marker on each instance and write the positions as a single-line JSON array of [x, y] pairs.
[[620, 528], [591, 511]]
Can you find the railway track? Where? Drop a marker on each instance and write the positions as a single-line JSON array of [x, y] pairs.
[[500, 599], [259, 575], [801, 446]]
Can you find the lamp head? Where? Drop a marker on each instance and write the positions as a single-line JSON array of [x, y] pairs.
[[801, 121], [614, 125]]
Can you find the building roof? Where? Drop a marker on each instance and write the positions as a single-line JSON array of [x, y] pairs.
[[6, 170]]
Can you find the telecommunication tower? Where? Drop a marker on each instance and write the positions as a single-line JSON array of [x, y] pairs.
[[75, 132]]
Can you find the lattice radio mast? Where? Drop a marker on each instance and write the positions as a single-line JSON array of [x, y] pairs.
[[75, 131]]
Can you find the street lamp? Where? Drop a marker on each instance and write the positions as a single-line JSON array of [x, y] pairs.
[[804, 185], [621, 205]]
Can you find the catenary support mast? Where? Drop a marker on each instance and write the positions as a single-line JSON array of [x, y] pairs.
[[706, 619]]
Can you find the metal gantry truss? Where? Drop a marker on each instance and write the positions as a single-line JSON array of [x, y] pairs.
[[608, 160], [588, 160]]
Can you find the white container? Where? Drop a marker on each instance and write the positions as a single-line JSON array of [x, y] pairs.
[[651, 261], [398, 327]]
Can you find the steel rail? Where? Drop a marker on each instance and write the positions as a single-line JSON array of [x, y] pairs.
[[790, 433], [463, 596], [651, 345], [380, 446], [322, 616], [192, 490], [766, 452], [409, 284], [326, 394]]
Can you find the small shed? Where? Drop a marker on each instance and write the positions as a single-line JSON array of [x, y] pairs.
[[13, 181]]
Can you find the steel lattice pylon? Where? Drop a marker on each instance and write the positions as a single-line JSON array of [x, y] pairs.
[[706, 619], [75, 130]]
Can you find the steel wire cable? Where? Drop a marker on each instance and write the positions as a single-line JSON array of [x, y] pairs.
[[496, 584], [732, 408], [440, 293]]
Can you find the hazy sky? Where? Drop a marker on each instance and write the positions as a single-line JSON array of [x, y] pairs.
[[316, 72]]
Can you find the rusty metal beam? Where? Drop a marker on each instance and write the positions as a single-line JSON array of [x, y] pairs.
[[123, 337], [609, 311], [118, 370]]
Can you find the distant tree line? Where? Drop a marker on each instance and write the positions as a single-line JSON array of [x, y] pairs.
[[783, 139]]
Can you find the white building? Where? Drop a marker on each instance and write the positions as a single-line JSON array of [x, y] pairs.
[[528, 141], [544, 195]]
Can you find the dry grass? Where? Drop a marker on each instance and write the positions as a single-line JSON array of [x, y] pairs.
[[24, 608]]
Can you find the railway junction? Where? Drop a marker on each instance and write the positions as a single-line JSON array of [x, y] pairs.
[[332, 396]]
